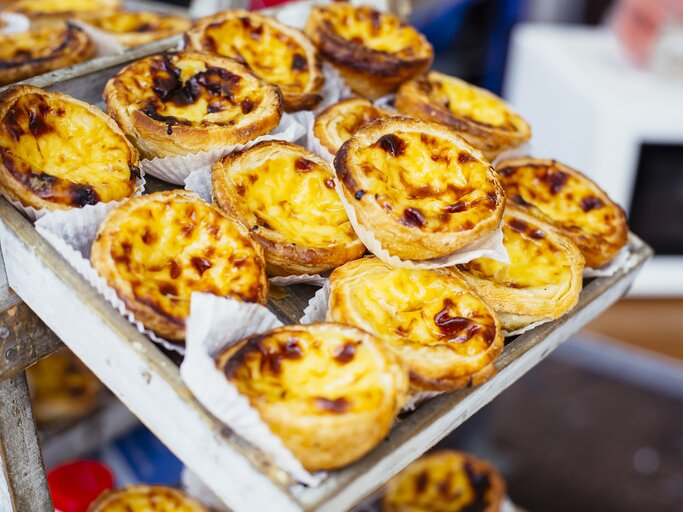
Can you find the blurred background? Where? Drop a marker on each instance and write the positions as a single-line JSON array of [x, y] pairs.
[[599, 425]]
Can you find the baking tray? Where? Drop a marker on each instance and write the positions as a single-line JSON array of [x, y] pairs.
[[147, 380]]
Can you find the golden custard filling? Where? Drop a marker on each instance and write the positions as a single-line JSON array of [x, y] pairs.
[[313, 373], [565, 199], [426, 181], [413, 309], [127, 22], [270, 53], [21, 47], [168, 249], [466, 101], [295, 197], [64, 153], [535, 260], [157, 500], [354, 119], [57, 6], [187, 91], [370, 28]]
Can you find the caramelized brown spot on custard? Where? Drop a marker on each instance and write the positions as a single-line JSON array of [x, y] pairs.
[[413, 217], [329, 183], [465, 158], [555, 180], [336, 406], [201, 264], [304, 165], [299, 62], [168, 289], [345, 353], [591, 203], [175, 269], [458, 207], [392, 144], [421, 482]]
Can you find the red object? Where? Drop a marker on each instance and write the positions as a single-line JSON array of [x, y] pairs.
[[75, 485], [255, 5]]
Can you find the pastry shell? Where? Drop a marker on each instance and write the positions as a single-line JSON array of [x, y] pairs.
[[187, 102], [57, 152], [43, 12], [542, 281], [329, 391], [135, 28], [479, 116], [155, 250], [279, 54], [446, 480], [446, 336], [374, 52], [143, 498], [337, 123], [275, 183], [575, 205], [42, 49], [419, 187]]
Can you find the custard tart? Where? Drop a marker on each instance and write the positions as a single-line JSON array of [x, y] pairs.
[[446, 480], [47, 11], [135, 28], [337, 123], [42, 49], [279, 54], [542, 281], [418, 187], [285, 196], [445, 335], [62, 388], [155, 250], [479, 116], [145, 498], [575, 205], [58, 152], [329, 391], [374, 52], [186, 102]]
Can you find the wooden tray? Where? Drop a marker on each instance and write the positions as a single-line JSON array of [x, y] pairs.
[[147, 380]]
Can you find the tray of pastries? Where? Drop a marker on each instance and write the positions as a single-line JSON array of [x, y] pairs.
[[297, 253]]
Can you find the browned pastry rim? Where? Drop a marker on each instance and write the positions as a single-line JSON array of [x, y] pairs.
[[156, 494], [151, 26]]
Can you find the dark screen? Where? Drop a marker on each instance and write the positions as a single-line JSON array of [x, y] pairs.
[[656, 213]]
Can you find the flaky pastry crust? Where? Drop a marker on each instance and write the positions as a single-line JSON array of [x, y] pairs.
[[446, 480], [419, 187], [374, 52], [285, 196], [57, 152], [186, 102], [567, 199], [43, 12], [135, 28], [155, 250], [542, 281], [279, 54], [337, 123], [479, 116], [42, 49], [143, 498], [446, 336], [329, 391]]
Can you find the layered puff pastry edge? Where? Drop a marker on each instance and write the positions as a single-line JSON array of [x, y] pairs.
[[567, 199], [135, 28], [446, 480], [542, 281], [57, 152], [285, 196], [186, 102], [329, 391], [48, 11], [143, 498], [155, 250], [374, 51], [446, 336], [418, 187], [42, 49], [479, 116], [279, 54], [337, 123]]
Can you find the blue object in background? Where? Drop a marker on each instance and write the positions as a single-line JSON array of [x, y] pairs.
[[139, 457], [441, 24]]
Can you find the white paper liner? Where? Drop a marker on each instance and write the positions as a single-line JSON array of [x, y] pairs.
[[106, 43], [611, 268], [387, 102], [72, 233], [214, 324], [14, 23], [36, 213], [316, 311], [313, 279], [418, 398], [490, 246], [176, 169], [524, 329], [335, 88]]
